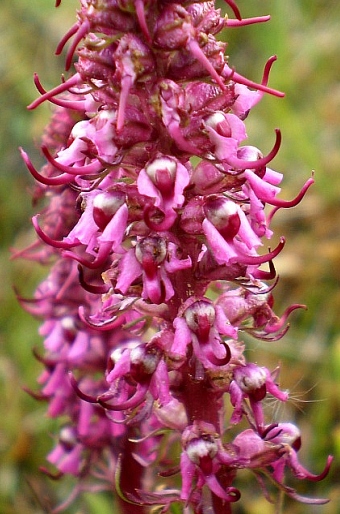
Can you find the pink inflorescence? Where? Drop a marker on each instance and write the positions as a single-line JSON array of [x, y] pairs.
[[155, 224]]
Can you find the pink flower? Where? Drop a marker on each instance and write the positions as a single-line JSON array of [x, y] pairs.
[[164, 179], [203, 326], [153, 260]]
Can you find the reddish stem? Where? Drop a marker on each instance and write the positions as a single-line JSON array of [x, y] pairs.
[[130, 479], [200, 400]]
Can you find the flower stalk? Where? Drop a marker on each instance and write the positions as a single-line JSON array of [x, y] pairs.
[[156, 217]]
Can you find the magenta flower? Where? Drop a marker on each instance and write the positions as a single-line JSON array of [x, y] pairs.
[[155, 218]]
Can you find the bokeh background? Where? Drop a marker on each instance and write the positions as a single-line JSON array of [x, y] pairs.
[[305, 35]]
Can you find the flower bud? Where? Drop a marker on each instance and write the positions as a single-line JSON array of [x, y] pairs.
[[144, 360], [252, 380], [218, 122], [68, 437], [150, 252], [285, 433], [201, 449], [68, 324], [251, 154], [105, 205], [162, 172], [223, 214], [200, 318]]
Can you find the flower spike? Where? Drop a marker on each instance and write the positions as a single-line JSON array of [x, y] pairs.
[[83, 396], [49, 240], [131, 403], [76, 105], [235, 9], [231, 74], [91, 288], [195, 49], [257, 260], [154, 215], [80, 32], [64, 86], [71, 32], [246, 21], [64, 178], [104, 251], [259, 163], [88, 169], [140, 11]]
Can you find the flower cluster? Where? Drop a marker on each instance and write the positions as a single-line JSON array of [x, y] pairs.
[[155, 217]]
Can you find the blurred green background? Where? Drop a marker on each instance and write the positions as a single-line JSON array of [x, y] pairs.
[[305, 35]]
